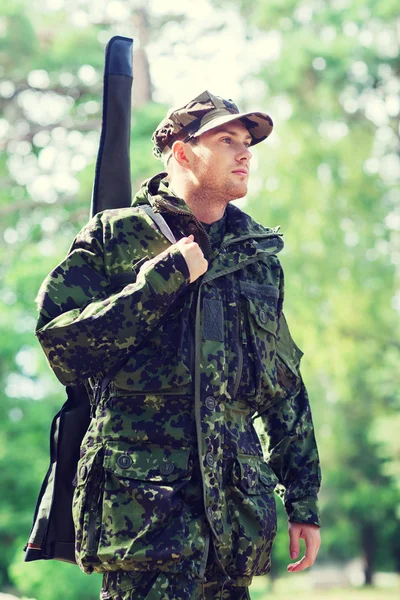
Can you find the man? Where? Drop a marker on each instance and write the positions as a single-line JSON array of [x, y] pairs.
[[174, 499]]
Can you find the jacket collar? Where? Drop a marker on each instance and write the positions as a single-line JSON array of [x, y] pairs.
[[240, 226], [156, 191]]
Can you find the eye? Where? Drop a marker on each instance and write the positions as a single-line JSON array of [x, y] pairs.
[[226, 139]]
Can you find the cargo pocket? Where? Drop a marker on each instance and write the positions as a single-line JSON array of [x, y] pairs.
[[143, 513], [86, 508], [276, 357], [252, 512], [261, 306]]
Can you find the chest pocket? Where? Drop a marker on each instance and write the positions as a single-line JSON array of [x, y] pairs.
[[260, 307], [275, 355]]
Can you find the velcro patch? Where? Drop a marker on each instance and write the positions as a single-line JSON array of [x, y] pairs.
[[213, 320]]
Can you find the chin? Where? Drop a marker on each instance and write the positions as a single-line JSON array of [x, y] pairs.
[[240, 192]]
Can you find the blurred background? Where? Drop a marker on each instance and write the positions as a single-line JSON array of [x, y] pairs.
[[327, 71]]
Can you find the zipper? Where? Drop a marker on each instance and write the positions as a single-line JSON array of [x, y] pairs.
[[91, 531], [94, 399], [94, 516], [192, 329], [242, 343]]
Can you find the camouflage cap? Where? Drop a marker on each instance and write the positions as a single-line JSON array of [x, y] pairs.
[[202, 114]]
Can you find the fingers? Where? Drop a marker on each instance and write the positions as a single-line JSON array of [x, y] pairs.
[[311, 536], [304, 563], [194, 257], [294, 536], [188, 239]]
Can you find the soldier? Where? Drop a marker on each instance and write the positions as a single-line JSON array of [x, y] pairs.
[[206, 412]]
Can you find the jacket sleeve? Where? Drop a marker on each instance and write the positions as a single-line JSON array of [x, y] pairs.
[[287, 435], [83, 327]]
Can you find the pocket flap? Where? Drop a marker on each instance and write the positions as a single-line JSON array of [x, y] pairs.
[[262, 304], [148, 464], [267, 477], [253, 475]]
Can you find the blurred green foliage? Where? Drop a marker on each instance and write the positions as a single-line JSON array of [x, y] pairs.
[[332, 179], [328, 175]]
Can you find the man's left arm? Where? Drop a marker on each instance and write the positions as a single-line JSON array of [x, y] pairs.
[[292, 453], [291, 450]]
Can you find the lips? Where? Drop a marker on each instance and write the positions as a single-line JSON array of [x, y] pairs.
[[241, 171]]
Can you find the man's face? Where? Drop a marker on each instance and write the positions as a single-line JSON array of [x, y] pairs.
[[220, 161]]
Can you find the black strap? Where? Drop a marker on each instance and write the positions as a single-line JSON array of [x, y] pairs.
[[160, 222]]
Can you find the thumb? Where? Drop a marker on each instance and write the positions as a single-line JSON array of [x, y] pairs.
[[190, 238], [294, 542]]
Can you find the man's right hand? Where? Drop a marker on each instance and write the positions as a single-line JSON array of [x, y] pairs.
[[194, 257]]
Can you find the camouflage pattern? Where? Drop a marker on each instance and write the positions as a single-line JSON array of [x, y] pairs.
[[133, 585], [203, 113], [137, 585], [172, 464]]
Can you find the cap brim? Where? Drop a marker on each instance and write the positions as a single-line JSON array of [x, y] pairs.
[[258, 124]]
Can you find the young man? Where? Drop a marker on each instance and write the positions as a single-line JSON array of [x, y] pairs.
[[174, 499]]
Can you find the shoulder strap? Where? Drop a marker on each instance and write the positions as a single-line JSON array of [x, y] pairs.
[[160, 222]]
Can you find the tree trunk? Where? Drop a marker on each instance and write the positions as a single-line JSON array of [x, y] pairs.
[[369, 549], [142, 90]]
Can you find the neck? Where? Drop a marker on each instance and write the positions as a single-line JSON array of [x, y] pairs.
[[205, 206]]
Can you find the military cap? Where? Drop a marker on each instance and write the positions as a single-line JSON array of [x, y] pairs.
[[201, 114]]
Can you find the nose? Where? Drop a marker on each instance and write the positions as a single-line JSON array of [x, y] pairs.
[[244, 153]]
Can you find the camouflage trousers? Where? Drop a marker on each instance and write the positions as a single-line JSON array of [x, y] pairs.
[[129, 585], [157, 585]]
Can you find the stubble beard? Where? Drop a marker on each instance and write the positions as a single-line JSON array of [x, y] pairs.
[[215, 191], [226, 191], [221, 196], [235, 191]]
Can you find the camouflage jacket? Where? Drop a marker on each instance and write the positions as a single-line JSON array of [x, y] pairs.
[[172, 461]]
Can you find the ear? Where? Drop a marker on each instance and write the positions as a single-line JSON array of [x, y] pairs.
[[181, 153]]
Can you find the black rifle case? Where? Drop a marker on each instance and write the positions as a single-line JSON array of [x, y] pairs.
[[52, 535]]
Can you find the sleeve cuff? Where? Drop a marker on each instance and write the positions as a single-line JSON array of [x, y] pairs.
[[304, 510], [167, 277]]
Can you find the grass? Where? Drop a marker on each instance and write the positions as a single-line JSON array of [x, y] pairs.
[[287, 588], [333, 594]]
